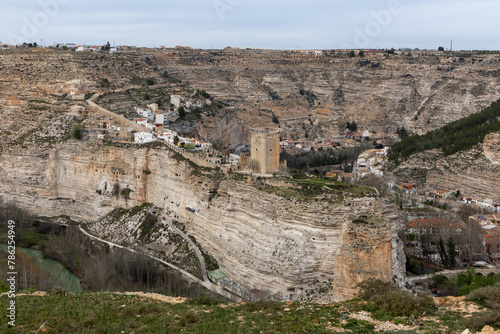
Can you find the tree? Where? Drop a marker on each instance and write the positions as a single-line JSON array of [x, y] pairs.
[[402, 132], [352, 126], [452, 262], [361, 53], [176, 140], [442, 252], [275, 119], [391, 51], [77, 131], [440, 48], [182, 113], [351, 54]]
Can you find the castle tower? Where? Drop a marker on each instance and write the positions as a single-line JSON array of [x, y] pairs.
[[265, 152]]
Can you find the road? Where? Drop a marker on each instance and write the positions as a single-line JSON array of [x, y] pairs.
[[207, 284], [193, 246], [118, 118]]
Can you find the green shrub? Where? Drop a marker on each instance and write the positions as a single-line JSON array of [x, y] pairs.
[[488, 296], [187, 318], [359, 326], [385, 299]]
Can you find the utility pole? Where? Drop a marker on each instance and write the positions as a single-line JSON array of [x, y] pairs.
[[451, 46]]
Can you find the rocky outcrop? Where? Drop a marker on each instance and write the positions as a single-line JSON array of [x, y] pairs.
[[491, 148], [420, 92], [475, 173], [370, 249], [261, 240]]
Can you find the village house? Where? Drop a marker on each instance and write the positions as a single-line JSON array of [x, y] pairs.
[[431, 226], [153, 107], [233, 159], [176, 100], [203, 144], [162, 119], [408, 188], [142, 121], [286, 144], [143, 112], [143, 137], [105, 124]]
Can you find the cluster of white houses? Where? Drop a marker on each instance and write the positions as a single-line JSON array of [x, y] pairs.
[[158, 121]]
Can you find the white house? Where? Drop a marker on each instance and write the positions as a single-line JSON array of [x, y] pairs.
[[153, 107], [143, 112], [234, 159], [142, 121], [143, 137], [176, 100], [162, 119]]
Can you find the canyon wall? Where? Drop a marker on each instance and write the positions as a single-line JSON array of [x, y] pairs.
[[475, 173], [262, 241]]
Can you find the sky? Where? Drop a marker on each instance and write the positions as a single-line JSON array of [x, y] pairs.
[[270, 24]]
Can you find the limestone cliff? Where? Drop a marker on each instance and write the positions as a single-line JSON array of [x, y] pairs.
[[475, 173], [261, 240]]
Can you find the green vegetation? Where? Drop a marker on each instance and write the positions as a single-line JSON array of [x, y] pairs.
[[352, 126], [310, 190], [126, 193], [463, 283], [77, 131], [453, 137], [182, 113], [386, 301], [324, 157], [115, 313]]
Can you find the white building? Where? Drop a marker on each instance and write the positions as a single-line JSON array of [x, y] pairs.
[[203, 144], [234, 159], [143, 112], [153, 107], [162, 119], [143, 137], [176, 100], [142, 121]]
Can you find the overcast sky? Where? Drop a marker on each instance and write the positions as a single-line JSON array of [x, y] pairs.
[[271, 24]]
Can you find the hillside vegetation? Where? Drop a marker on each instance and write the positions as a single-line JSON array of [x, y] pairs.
[[453, 137], [380, 307]]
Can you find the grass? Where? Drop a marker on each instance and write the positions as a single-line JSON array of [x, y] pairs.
[[310, 190], [112, 313]]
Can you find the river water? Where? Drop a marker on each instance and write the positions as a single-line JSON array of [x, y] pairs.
[[61, 277]]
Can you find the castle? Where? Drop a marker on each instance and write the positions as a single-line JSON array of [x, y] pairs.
[[265, 152]]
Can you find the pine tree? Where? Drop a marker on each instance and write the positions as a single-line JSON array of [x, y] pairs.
[[452, 262]]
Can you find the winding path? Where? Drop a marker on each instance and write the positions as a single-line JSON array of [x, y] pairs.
[[207, 284], [193, 246]]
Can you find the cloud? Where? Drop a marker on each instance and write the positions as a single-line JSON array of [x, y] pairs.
[[270, 24]]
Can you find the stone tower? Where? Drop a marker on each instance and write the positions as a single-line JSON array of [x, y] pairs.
[[265, 152]]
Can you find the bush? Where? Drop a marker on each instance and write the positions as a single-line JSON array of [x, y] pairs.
[[189, 317], [488, 296], [77, 131], [385, 299]]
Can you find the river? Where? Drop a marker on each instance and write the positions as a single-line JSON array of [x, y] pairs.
[[60, 276]]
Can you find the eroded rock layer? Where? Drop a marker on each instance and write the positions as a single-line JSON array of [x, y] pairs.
[[262, 241]]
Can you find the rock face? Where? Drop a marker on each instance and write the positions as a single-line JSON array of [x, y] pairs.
[[491, 148], [262, 241], [420, 92], [475, 173], [367, 251]]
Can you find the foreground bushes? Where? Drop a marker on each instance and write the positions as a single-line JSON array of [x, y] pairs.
[[384, 299], [488, 297]]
